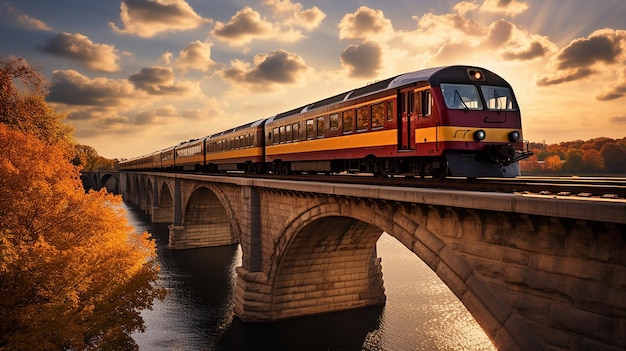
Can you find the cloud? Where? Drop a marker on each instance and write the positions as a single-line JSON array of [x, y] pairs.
[[97, 57], [26, 21], [500, 32], [33, 23], [515, 43], [196, 56], [365, 23], [504, 7], [464, 7], [72, 88], [536, 49], [277, 67], [157, 80], [147, 18], [247, 25], [618, 119], [583, 57], [158, 115], [362, 60], [564, 76], [616, 91], [600, 46], [295, 15]]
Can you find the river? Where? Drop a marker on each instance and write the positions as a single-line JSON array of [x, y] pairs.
[[420, 313]]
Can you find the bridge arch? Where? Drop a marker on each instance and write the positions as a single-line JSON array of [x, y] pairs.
[[208, 220], [333, 246], [111, 182], [163, 209]]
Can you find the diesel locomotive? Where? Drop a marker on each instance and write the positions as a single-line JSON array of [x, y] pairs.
[[447, 121]]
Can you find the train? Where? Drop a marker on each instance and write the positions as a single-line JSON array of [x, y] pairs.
[[460, 121]]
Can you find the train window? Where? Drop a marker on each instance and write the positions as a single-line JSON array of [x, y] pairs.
[[334, 121], [498, 98], [362, 118], [348, 121], [321, 126], [461, 96], [378, 115], [281, 132], [310, 129], [424, 103], [288, 136], [296, 131], [275, 140], [389, 111]]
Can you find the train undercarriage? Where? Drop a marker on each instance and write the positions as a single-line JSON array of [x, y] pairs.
[[499, 161]]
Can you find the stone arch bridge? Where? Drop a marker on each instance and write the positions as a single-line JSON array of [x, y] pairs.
[[536, 272]]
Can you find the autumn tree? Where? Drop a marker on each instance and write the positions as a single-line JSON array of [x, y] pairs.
[[73, 273], [614, 157], [87, 157], [553, 163], [593, 161], [573, 161], [22, 102]]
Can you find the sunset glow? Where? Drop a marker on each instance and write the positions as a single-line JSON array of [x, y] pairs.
[[135, 76]]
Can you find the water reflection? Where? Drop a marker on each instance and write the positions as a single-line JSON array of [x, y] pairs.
[[421, 313]]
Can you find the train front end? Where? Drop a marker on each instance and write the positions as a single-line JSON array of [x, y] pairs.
[[480, 129]]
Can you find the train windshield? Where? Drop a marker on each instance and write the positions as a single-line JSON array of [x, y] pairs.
[[498, 98], [461, 96]]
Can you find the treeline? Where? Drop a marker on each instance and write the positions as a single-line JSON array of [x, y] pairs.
[[74, 275], [88, 159], [594, 156]]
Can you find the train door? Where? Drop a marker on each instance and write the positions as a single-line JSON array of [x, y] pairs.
[[406, 126]]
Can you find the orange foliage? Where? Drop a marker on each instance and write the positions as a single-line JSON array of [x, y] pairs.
[[73, 273], [23, 105], [553, 163], [593, 160]]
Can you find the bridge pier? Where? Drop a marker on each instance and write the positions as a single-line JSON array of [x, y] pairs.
[[162, 215], [192, 236]]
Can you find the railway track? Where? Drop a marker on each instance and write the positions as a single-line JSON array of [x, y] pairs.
[[576, 187]]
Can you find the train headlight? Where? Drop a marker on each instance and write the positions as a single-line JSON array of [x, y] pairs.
[[514, 136], [475, 74], [480, 135]]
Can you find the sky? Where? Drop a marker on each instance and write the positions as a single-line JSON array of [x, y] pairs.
[[134, 76]]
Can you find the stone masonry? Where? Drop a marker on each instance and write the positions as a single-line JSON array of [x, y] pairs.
[[537, 273]]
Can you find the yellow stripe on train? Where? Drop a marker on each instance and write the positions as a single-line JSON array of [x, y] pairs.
[[348, 141], [457, 133], [389, 137]]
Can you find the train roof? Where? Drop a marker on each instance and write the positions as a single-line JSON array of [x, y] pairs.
[[239, 128], [431, 75]]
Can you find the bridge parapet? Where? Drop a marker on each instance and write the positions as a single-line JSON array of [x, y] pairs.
[[532, 270]]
